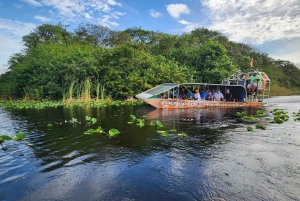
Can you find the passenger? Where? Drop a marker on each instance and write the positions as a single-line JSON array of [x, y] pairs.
[[254, 80], [204, 94], [212, 91], [209, 97], [218, 96], [197, 95], [228, 96], [182, 93], [189, 94]]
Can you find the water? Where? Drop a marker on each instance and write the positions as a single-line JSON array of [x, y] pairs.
[[219, 160]]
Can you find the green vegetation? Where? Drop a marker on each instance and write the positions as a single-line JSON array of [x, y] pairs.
[[91, 120], [280, 116], [296, 116], [19, 136], [97, 64], [249, 128], [260, 126], [111, 133], [54, 104]]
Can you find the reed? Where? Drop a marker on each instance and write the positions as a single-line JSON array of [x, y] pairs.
[[86, 90], [68, 93], [97, 90]]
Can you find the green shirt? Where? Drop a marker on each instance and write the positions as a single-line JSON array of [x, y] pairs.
[[254, 79]]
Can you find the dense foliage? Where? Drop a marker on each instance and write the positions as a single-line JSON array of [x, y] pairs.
[[96, 62]]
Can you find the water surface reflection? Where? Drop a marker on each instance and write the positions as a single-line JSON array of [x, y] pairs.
[[218, 159]]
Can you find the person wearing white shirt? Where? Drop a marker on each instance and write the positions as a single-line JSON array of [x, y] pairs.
[[218, 96], [197, 95]]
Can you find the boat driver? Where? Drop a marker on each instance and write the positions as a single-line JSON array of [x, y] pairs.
[[253, 81]]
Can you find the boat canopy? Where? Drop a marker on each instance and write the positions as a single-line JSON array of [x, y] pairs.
[[156, 90]]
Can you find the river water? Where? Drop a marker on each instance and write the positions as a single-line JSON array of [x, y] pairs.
[[218, 160]]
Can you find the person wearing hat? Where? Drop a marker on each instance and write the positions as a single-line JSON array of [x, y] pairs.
[[253, 81], [218, 96]]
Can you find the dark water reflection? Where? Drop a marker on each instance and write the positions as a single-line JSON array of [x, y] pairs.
[[219, 160]]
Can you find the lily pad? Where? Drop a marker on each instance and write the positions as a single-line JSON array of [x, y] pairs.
[[249, 128]]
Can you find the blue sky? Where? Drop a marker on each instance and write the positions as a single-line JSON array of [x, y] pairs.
[[271, 26]]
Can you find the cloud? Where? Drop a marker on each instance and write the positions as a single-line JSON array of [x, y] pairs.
[[18, 6], [189, 26], [184, 22], [33, 3], [113, 3], [77, 10], [42, 19], [155, 14], [11, 33], [105, 20], [175, 10], [87, 16], [255, 21]]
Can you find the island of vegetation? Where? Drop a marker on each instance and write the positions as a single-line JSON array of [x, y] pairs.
[[96, 63]]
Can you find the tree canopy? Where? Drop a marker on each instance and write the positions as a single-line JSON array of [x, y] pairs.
[[127, 62]]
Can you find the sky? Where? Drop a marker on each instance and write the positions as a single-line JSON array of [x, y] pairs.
[[271, 26]]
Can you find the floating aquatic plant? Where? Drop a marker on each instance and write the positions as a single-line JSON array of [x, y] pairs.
[[1, 141], [5, 137], [164, 133], [248, 118], [296, 116], [153, 123], [240, 114], [130, 122], [249, 128], [19, 136], [159, 124], [132, 117], [49, 125], [141, 122], [260, 126], [182, 134], [280, 116], [91, 119], [260, 113], [113, 132], [92, 131], [74, 120], [173, 130]]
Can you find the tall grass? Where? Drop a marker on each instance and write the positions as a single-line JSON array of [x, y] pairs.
[[277, 90], [100, 90], [68, 93], [86, 90], [82, 91]]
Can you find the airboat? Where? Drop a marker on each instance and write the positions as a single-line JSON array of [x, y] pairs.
[[159, 96]]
